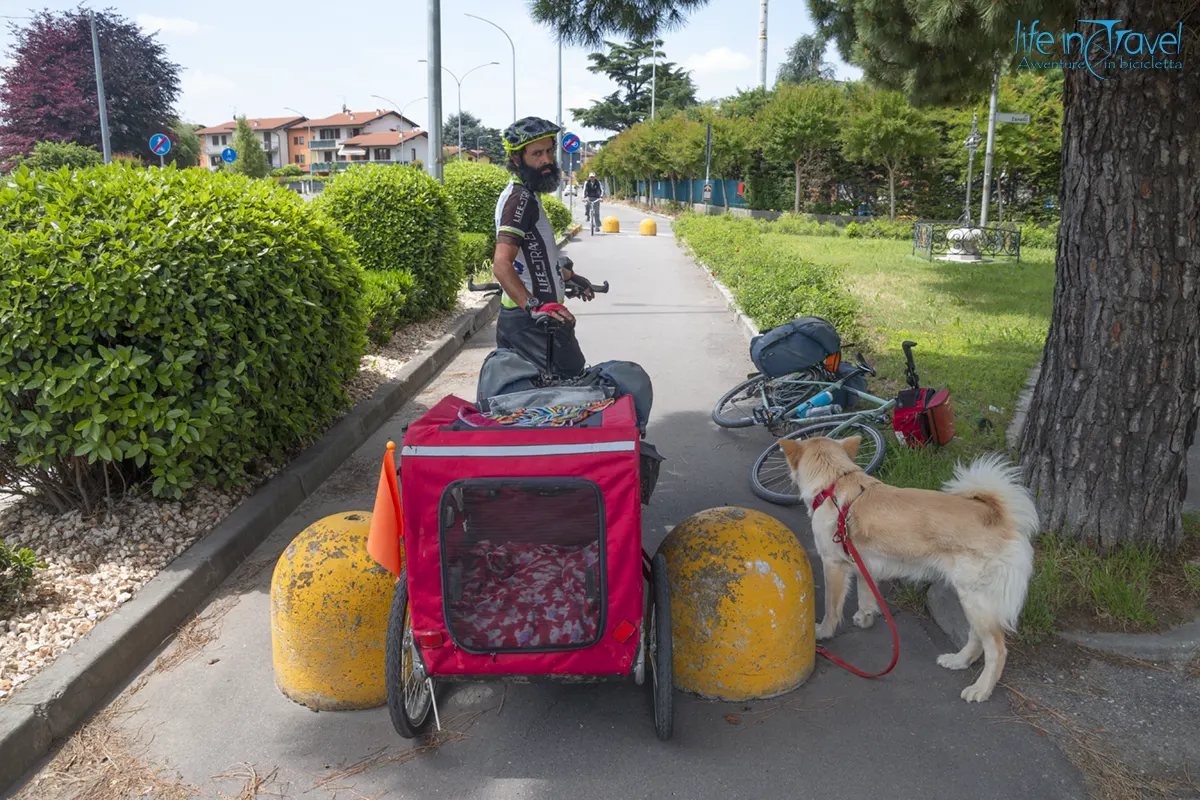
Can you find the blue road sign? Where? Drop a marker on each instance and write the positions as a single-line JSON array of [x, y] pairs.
[[160, 145], [571, 143], [229, 155]]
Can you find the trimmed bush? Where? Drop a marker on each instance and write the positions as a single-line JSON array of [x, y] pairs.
[[474, 190], [477, 248], [400, 219], [560, 215], [1037, 236], [387, 296], [770, 284], [165, 327], [287, 171]]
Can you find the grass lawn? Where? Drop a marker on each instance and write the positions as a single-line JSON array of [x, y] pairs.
[[980, 329]]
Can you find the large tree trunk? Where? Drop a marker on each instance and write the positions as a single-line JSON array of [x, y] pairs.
[[1114, 409]]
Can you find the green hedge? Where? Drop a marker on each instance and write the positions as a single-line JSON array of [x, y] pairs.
[[144, 330], [400, 219], [560, 215], [388, 299], [770, 284], [477, 248], [474, 190], [1037, 236]]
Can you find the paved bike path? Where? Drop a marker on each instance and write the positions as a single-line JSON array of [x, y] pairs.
[[905, 735]]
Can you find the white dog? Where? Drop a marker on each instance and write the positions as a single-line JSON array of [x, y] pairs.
[[974, 535]]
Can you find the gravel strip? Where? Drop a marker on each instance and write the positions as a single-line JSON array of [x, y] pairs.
[[97, 564]]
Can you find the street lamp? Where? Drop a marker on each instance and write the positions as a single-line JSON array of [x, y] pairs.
[[514, 58], [459, 82], [400, 111], [972, 142]]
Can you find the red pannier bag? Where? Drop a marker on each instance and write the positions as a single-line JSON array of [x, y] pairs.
[[923, 416]]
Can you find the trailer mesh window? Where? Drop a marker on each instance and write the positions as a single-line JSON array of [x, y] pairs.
[[523, 563]]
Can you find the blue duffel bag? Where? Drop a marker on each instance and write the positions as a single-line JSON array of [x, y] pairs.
[[794, 346]]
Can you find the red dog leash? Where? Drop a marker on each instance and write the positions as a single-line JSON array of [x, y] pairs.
[[842, 537]]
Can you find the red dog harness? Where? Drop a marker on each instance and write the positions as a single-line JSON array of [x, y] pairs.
[[842, 537]]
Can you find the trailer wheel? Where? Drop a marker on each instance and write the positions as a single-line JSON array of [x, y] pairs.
[[409, 692], [660, 651]]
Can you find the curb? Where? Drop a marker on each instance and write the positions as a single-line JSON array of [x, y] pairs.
[[82, 678], [749, 329], [1177, 644], [1013, 434]]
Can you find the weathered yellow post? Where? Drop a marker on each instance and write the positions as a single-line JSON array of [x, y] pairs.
[[742, 605], [329, 614]]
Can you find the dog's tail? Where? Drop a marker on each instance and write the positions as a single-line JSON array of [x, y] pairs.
[[990, 479], [993, 480]]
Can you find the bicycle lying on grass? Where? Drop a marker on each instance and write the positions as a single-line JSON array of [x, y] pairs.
[[807, 398]]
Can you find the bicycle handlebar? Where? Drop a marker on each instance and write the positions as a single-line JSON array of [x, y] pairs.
[[573, 289]]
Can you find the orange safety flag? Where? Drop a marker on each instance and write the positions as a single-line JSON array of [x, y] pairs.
[[387, 524]]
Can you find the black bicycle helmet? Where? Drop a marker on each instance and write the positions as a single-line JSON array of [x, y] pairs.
[[528, 130]]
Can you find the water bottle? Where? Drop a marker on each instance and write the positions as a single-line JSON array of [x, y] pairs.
[[805, 409], [824, 411]]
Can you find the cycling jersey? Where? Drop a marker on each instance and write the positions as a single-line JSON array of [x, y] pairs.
[[522, 221]]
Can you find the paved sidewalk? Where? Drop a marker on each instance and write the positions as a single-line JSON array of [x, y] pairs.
[[904, 736]]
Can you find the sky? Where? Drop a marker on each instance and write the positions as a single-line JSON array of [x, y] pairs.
[[259, 59]]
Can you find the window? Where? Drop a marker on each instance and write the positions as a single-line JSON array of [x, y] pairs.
[[225, 139], [327, 133], [214, 161], [355, 132], [267, 140], [383, 154], [297, 140], [414, 158], [216, 140]]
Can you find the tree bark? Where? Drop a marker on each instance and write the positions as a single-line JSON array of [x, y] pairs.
[[1114, 410]]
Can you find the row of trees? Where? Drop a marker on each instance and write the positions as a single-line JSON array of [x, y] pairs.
[[819, 145]]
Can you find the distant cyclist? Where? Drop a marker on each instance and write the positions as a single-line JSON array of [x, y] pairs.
[[526, 261], [592, 191]]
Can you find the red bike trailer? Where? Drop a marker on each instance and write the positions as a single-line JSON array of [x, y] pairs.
[[524, 560]]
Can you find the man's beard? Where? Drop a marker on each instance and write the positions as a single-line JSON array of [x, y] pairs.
[[541, 181]]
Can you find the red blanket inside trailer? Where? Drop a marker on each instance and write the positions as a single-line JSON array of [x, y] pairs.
[[519, 594]]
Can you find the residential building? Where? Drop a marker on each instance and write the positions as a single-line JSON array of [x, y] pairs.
[[328, 145], [468, 155], [273, 130], [387, 147]]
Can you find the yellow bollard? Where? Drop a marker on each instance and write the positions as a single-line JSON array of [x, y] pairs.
[[329, 614], [742, 605], [648, 228], [610, 225]]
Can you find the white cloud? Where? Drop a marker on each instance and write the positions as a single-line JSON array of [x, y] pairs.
[[717, 60], [176, 25], [205, 83]]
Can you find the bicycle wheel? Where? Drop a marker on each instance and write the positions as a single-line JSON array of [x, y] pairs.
[[771, 477], [746, 398], [748, 390]]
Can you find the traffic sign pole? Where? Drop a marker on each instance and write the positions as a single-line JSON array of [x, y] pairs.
[[160, 145]]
